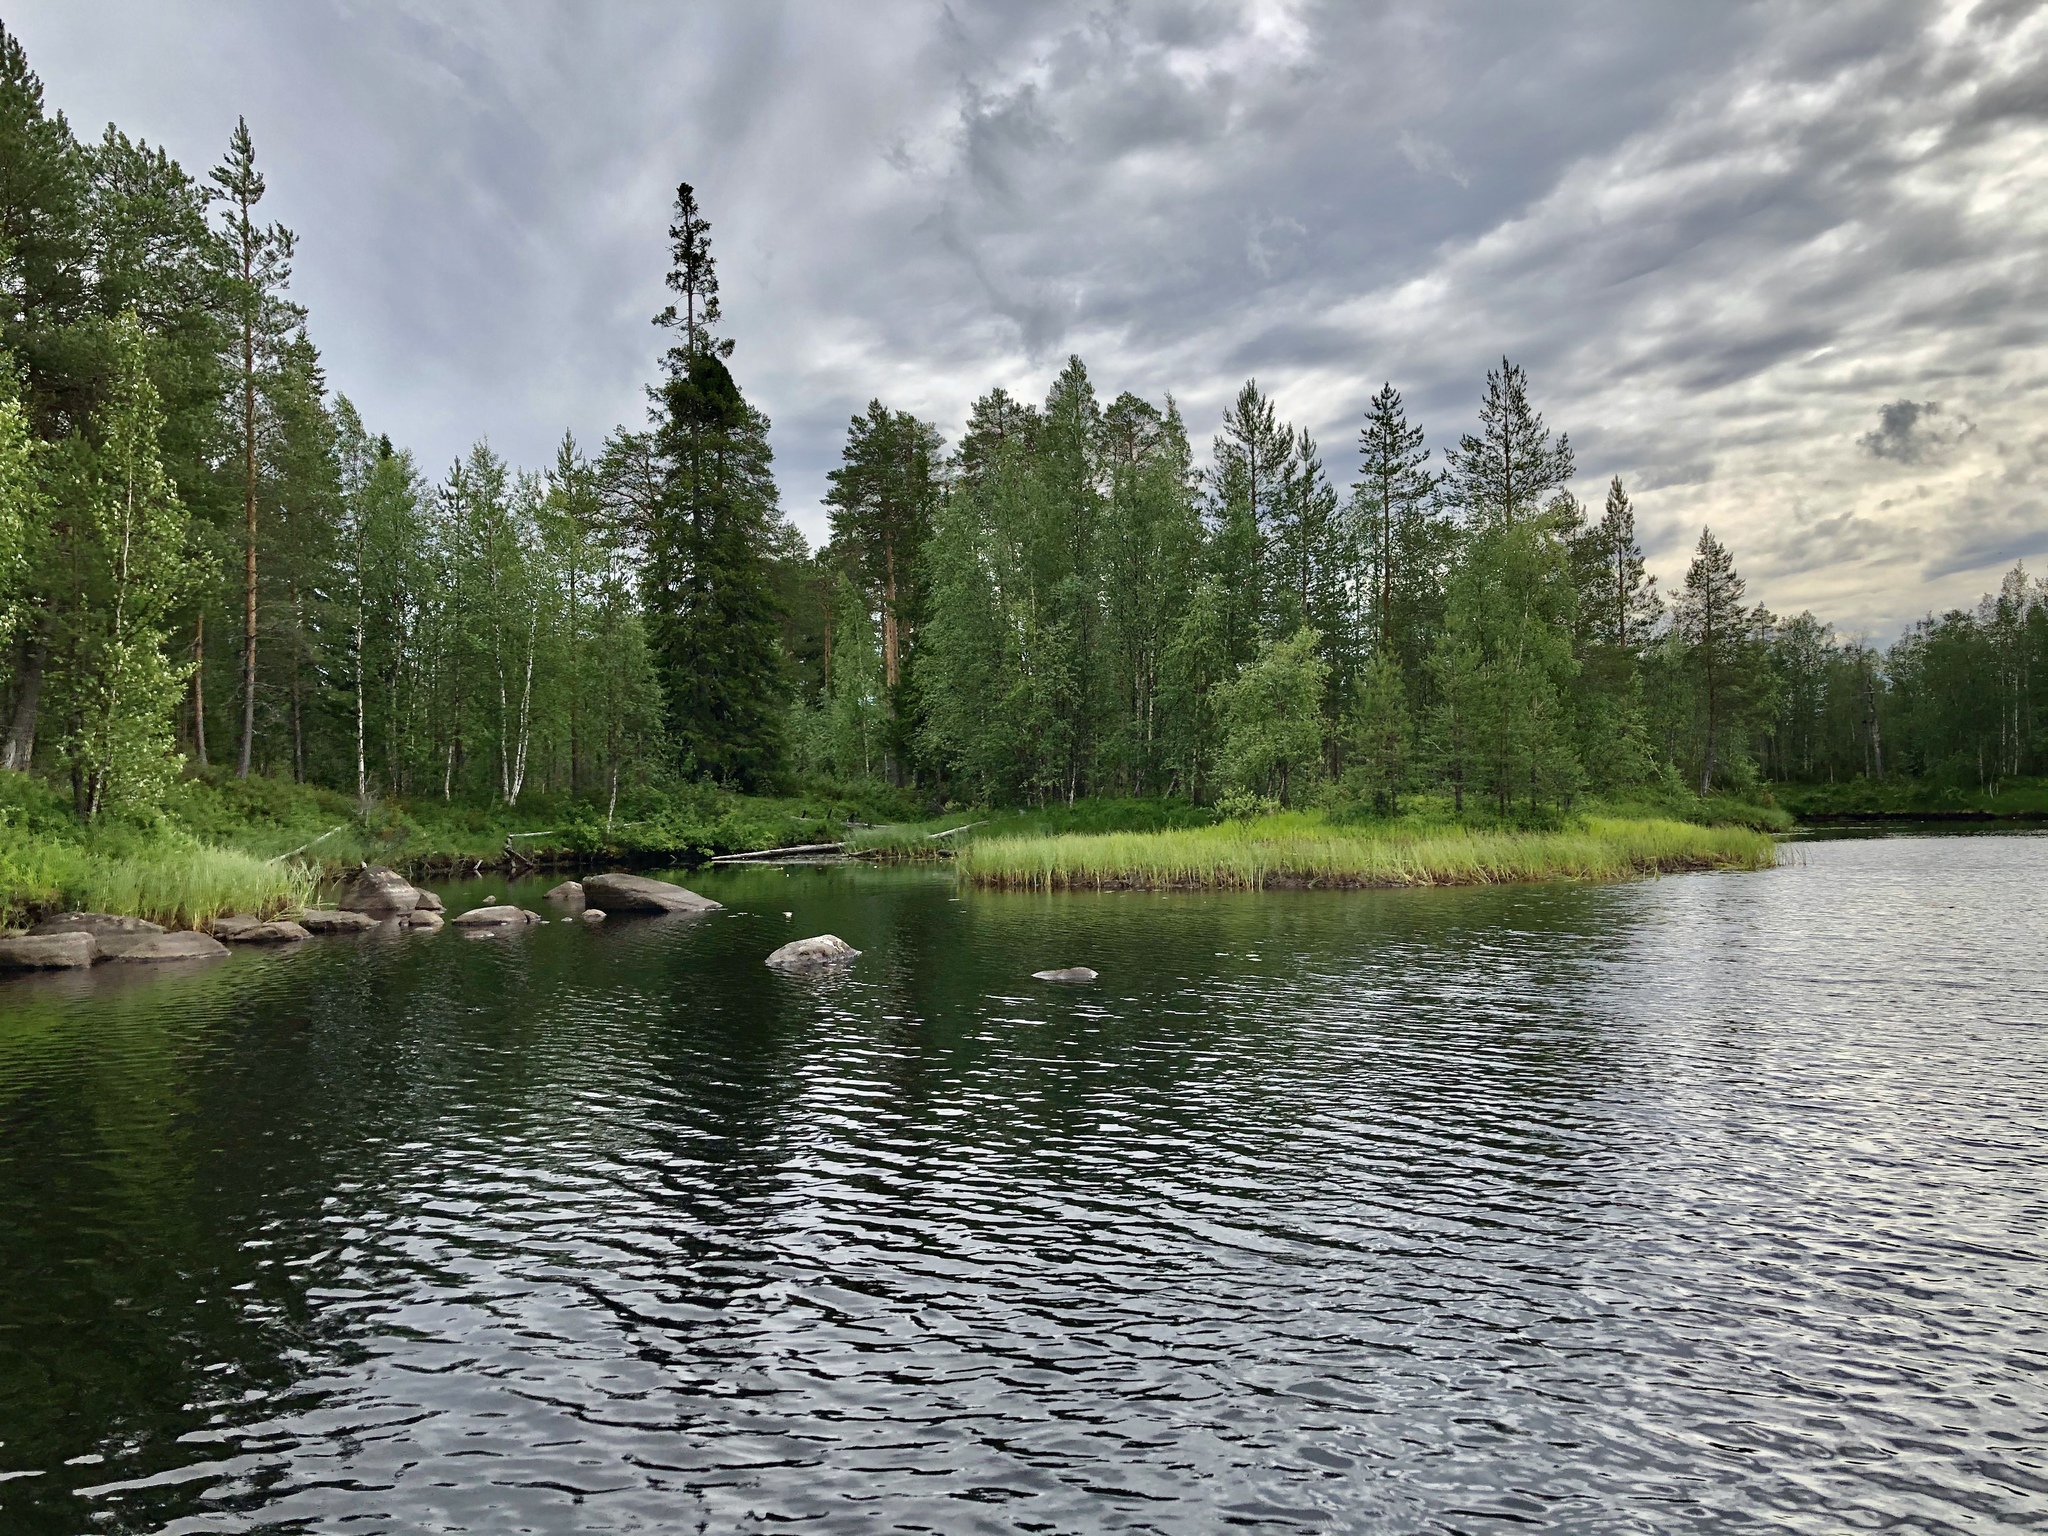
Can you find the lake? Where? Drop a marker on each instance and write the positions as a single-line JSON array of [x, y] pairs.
[[1705, 1204]]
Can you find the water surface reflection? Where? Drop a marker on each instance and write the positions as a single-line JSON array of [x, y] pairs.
[[1703, 1204]]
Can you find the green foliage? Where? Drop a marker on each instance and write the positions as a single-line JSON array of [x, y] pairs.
[[130, 568], [1272, 720]]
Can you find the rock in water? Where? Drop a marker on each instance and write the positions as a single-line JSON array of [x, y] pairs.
[[635, 893], [430, 921], [826, 949], [429, 902], [570, 891], [48, 951], [151, 947], [1074, 975], [280, 932], [327, 920], [592, 915], [380, 892], [494, 917]]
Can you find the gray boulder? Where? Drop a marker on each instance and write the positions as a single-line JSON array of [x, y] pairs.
[[636, 893], [569, 891], [47, 951], [827, 949], [95, 923], [380, 892], [593, 915], [1073, 975], [429, 902], [429, 921], [327, 920], [495, 917], [282, 931], [153, 947]]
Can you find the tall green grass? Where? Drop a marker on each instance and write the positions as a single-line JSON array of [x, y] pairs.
[[173, 881], [1303, 849]]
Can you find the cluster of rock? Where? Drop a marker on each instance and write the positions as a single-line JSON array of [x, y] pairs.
[[377, 896], [78, 939]]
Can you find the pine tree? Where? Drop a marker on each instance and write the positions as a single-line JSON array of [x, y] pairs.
[[1723, 653], [1391, 519], [259, 270], [1253, 459], [882, 498], [1629, 603], [1508, 471]]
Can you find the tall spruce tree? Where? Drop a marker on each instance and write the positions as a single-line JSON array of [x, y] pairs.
[[708, 585]]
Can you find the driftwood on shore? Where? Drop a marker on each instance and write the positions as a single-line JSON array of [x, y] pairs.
[[758, 855]]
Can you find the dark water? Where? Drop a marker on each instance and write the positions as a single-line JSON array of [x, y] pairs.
[[1700, 1205]]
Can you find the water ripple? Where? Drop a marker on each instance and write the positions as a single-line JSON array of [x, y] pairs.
[[1697, 1205]]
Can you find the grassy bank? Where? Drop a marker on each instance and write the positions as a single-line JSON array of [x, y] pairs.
[[1914, 799], [170, 879], [1302, 849], [260, 845]]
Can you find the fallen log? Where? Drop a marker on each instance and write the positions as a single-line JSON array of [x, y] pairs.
[[774, 853]]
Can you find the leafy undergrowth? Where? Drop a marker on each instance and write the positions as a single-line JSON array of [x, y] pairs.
[[1308, 849]]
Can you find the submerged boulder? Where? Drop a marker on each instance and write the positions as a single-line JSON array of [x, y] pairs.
[[282, 931], [1074, 975], [424, 919], [254, 930], [569, 892], [636, 893], [495, 917], [152, 947], [328, 920], [827, 949], [593, 915], [429, 902], [48, 951], [380, 892]]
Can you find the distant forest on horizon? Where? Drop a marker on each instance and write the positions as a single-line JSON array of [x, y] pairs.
[[210, 562]]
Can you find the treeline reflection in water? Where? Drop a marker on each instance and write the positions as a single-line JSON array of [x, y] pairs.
[[1701, 1204]]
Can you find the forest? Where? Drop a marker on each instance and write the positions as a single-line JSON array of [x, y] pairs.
[[212, 568]]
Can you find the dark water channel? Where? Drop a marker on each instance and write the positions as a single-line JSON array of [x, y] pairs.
[[1707, 1204]]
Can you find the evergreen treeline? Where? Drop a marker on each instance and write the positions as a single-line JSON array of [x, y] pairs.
[[209, 557]]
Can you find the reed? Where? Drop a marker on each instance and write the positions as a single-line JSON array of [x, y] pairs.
[[1304, 850], [174, 882]]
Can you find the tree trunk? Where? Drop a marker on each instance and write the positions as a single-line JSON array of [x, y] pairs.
[[199, 689], [21, 736], [249, 542]]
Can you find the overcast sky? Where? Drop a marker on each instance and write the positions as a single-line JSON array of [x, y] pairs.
[[1780, 266]]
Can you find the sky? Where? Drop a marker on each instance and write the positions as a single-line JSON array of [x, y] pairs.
[[1781, 266]]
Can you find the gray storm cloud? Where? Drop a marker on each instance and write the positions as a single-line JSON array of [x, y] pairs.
[[1739, 247]]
